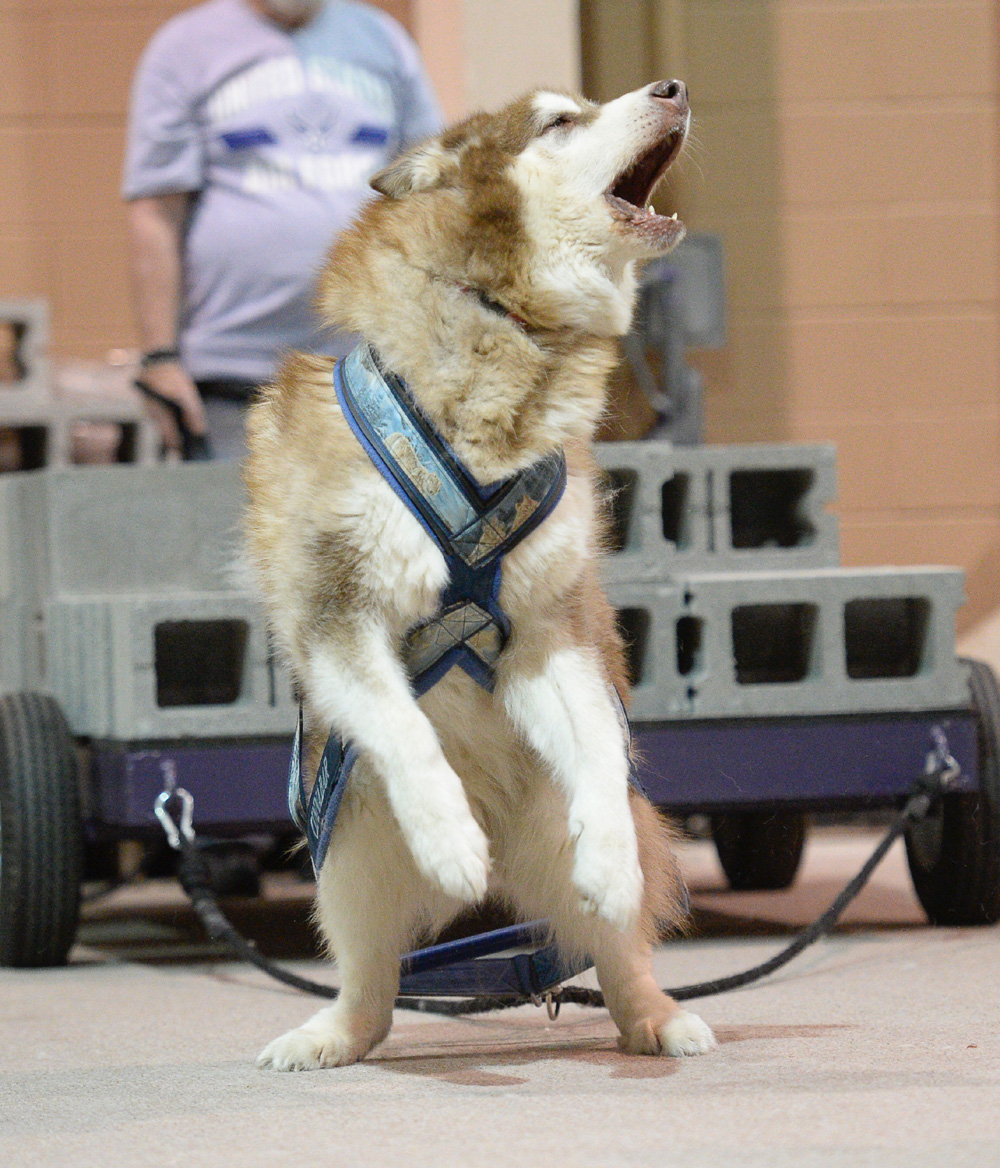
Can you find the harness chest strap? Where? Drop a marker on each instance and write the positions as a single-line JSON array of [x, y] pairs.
[[473, 526]]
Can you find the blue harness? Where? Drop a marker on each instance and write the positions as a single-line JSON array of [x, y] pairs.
[[473, 526]]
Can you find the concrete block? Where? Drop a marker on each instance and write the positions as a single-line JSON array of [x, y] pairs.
[[133, 530], [25, 384], [139, 435], [808, 642], [100, 393], [146, 633], [21, 637], [718, 508], [184, 665], [647, 615]]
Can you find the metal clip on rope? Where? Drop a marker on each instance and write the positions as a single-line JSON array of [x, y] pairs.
[[186, 827], [940, 761]]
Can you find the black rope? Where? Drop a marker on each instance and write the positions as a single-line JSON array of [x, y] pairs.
[[196, 881]]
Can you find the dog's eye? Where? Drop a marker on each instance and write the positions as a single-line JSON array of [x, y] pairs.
[[557, 122]]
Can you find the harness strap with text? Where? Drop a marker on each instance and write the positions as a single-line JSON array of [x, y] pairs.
[[473, 526]]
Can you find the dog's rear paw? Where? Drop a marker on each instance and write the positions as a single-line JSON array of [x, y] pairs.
[[607, 875], [455, 855], [305, 1049], [684, 1034]]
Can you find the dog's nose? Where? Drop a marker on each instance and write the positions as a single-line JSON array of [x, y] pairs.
[[675, 91]]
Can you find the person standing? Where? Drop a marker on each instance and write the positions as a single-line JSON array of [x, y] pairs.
[[253, 130]]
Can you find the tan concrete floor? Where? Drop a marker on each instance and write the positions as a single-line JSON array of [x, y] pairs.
[[879, 1047]]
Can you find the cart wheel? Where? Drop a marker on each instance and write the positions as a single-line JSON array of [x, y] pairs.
[[233, 867], [759, 849], [954, 852], [41, 833]]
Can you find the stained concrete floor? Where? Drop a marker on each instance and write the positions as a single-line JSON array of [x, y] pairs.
[[880, 1046]]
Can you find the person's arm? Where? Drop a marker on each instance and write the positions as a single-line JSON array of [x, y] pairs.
[[155, 232], [164, 165]]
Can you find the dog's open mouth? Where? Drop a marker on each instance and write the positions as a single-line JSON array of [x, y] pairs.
[[630, 194]]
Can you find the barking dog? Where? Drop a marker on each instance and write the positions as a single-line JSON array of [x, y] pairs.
[[491, 280]]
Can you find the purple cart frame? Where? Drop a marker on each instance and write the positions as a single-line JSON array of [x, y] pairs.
[[857, 761]]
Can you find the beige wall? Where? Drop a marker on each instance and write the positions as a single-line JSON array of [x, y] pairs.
[[517, 45], [847, 152], [480, 53], [845, 149], [65, 68], [65, 71]]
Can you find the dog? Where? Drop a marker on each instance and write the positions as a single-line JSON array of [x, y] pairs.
[[491, 278]]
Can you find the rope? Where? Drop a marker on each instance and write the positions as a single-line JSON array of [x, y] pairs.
[[195, 879]]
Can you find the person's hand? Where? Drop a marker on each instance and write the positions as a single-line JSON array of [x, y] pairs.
[[169, 379]]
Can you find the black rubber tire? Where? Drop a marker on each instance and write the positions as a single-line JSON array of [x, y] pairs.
[[233, 867], [954, 852], [41, 833], [759, 850]]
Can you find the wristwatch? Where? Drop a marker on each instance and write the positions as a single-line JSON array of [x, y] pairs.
[[158, 357]]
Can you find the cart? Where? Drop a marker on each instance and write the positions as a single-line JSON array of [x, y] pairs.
[[768, 682]]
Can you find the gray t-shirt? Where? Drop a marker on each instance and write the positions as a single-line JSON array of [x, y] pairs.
[[277, 134]]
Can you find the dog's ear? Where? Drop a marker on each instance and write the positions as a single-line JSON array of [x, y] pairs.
[[424, 167]]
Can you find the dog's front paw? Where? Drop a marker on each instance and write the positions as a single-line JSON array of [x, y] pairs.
[[454, 853], [308, 1049], [685, 1033], [606, 872]]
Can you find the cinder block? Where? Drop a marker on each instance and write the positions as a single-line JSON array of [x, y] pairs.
[[134, 530], [20, 642], [718, 508], [810, 642], [27, 398], [647, 614], [139, 434], [181, 665], [143, 633]]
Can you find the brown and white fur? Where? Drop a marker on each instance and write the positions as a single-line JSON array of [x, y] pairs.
[[524, 791]]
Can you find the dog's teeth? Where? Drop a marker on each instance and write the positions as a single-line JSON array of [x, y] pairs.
[[674, 215]]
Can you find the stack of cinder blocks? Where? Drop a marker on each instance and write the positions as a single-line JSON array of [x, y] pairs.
[[42, 419], [119, 593], [725, 574], [122, 599]]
